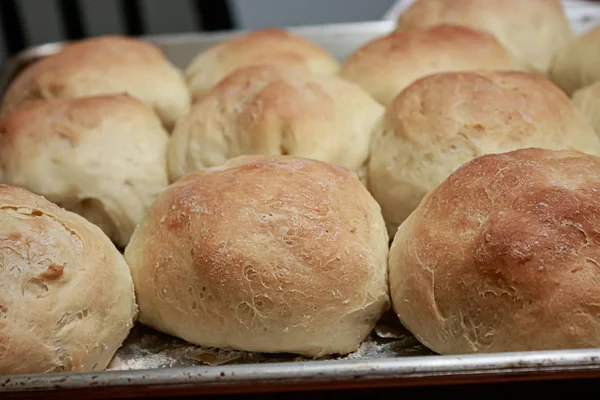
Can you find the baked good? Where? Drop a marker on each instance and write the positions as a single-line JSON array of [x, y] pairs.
[[587, 99], [387, 65], [270, 110], [442, 121], [533, 30], [576, 65], [256, 47], [66, 298], [266, 254], [103, 157], [104, 65], [504, 256]]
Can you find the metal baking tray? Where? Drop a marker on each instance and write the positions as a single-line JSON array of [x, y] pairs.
[[152, 364]]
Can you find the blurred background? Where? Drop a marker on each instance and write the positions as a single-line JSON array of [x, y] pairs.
[[26, 23]]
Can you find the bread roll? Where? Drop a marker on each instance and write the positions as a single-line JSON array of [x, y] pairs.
[[267, 254], [445, 120], [578, 64], [387, 65], [271, 45], [102, 157], [587, 99], [66, 295], [504, 256], [266, 109], [105, 65], [533, 30]]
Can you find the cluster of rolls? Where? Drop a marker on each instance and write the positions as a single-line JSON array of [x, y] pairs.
[[255, 195]]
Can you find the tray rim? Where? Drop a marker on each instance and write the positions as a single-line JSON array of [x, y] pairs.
[[310, 375]]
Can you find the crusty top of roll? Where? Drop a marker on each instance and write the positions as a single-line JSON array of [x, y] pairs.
[[269, 109], [442, 121], [66, 294], [577, 64], [531, 29], [385, 66], [104, 65], [270, 254], [504, 256], [103, 157], [267, 45]]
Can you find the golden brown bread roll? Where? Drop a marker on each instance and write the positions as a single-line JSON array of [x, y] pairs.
[[269, 254], [533, 30], [578, 64], [257, 47], [504, 256], [104, 65], [266, 109], [387, 65], [102, 157], [587, 99], [66, 294], [445, 120]]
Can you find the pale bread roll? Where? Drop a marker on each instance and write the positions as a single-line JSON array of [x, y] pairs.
[[102, 157], [104, 65], [445, 120], [274, 110], [587, 99], [504, 256], [387, 65], [66, 294], [266, 254], [256, 47], [533, 30], [577, 64]]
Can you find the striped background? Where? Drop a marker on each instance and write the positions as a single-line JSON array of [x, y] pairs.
[[25, 23]]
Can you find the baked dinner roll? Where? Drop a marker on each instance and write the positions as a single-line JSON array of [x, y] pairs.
[[587, 99], [445, 120], [578, 64], [504, 256], [533, 30], [105, 65], [268, 254], [102, 157], [385, 66], [66, 297], [266, 109], [271, 45]]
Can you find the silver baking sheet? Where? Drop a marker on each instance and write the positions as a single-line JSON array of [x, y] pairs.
[[148, 349], [150, 363]]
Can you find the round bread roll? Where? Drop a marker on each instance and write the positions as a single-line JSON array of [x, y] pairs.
[[266, 109], [442, 121], [105, 65], [102, 157], [578, 64], [272, 45], [587, 99], [66, 294], [268, 254], [533, 30], [385, 66], [504, 256]]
